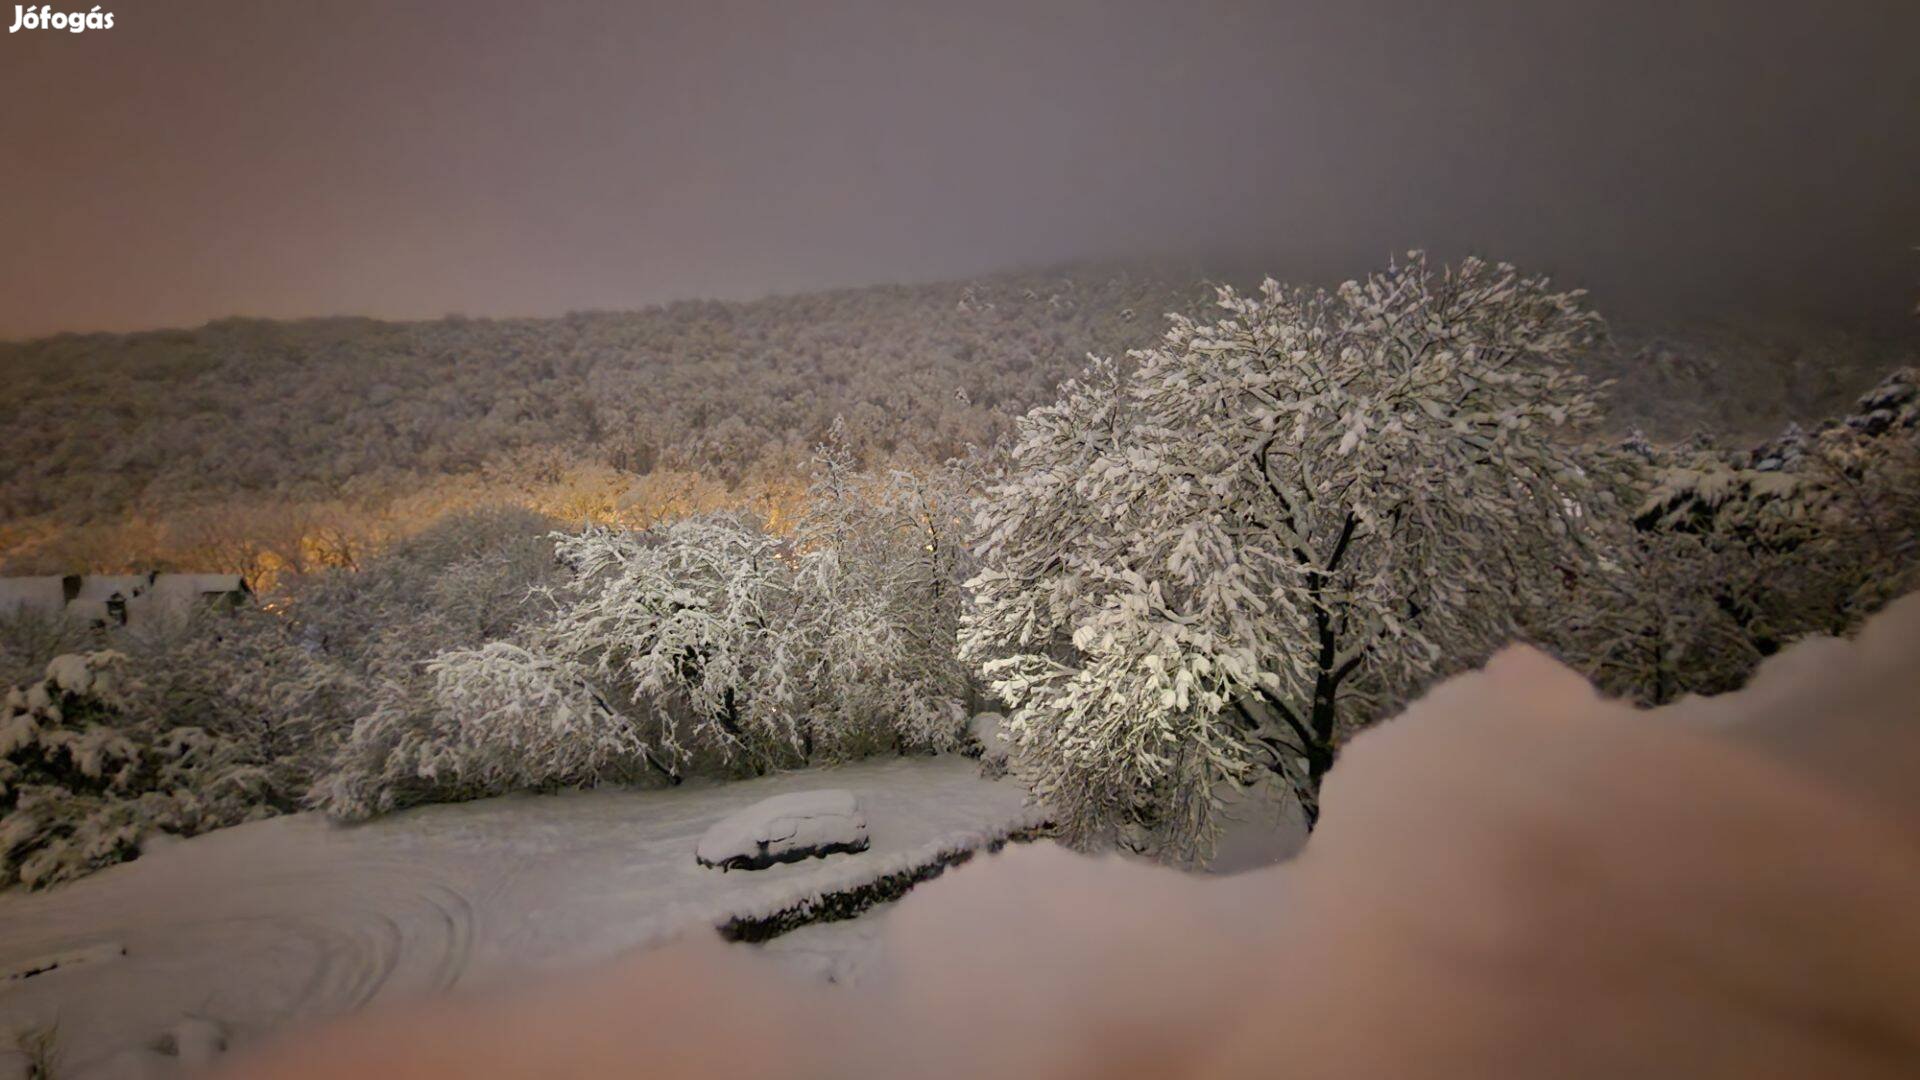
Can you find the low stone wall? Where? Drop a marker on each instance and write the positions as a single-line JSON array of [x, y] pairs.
[[850, 903]]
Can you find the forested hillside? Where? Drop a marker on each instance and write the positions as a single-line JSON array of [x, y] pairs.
[[260, 446]]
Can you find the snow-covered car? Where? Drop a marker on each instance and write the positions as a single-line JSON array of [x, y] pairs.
[[785, 828]]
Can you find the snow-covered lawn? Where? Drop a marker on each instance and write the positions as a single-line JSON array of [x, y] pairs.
[[293, 918]]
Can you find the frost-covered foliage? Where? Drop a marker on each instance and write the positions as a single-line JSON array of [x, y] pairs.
[[189, 721], [81, 783], [1729, 556], [705, 644], [243, 677], [659, 650], [1665, 611], [687, 618], [30, 637], [876, 605], [469, 578], [1861, 484], [1271, 528], [484, 721]]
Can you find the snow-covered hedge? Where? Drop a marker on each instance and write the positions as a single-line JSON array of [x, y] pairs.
[[479, 722]]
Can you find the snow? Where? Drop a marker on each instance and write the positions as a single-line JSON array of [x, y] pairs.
[[1662, 893], [849, 952], [990, 731], [291, 919], [104, 587], [45, 594], [785, 828], [172, 594], [84, 673]]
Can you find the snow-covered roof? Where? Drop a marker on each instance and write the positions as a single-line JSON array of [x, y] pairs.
[[106, 586], [177, 593], [45, 593], [182, 588], [89, 611], [86, 598]]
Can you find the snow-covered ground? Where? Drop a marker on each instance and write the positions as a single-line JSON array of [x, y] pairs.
[[292, 918], [1263, 828], [849, 952]]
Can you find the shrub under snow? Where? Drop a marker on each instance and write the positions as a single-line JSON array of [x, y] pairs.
[[80, 786], [708, 643], [479, 722]]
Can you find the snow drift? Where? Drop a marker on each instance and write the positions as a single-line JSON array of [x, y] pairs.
[[294, 919]]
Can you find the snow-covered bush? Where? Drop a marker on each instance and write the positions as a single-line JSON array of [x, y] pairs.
[[663, 650], [449, 592], [1728, 556], [81, 785], [469, 578], [1723, 557], [687, 619], [1663, 613], [707, 643], [242, 677], [480, 722], [1861, 488], [1271, 528], [30, 637]]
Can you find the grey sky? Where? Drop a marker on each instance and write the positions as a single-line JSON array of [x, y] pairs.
[[275, 158]]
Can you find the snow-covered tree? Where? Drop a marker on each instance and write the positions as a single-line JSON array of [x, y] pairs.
[[1861, 488], [688, 618], [876, 604], [1272, 527], [1666, 610], [1748, 550]]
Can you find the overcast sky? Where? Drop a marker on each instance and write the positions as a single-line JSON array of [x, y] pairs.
[[400, 159]]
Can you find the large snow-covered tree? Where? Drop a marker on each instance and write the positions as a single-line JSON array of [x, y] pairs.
[[1271, 527]]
